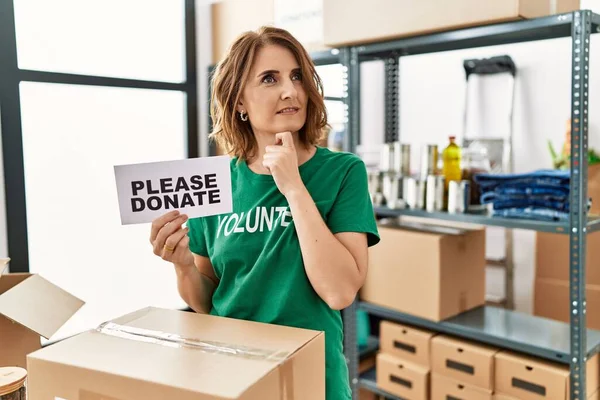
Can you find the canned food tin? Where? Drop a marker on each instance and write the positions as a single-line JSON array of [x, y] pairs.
[[429, 160], [402, 158], [414, 193], [458, 196], [435, 193]]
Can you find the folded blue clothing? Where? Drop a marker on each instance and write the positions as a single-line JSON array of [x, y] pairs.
[[552, 177], [490, 197], [523, 203], [536, 213]]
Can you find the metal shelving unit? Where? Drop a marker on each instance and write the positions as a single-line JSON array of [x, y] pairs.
[[568, 343]]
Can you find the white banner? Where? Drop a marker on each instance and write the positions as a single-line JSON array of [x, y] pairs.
[[197, 187]]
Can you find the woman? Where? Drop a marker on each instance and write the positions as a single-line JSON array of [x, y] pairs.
[[294, 250]]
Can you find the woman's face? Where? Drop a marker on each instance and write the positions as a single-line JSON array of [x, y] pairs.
[[274, 96]]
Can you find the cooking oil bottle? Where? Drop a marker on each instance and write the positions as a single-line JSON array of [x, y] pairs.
[[451, 157]]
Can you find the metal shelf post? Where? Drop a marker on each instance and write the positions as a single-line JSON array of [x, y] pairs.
[[581, 30], [392, 83]]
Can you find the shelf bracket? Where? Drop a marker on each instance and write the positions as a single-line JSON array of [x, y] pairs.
[[581, 31]]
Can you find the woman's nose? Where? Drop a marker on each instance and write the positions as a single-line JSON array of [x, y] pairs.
[[288, 90]]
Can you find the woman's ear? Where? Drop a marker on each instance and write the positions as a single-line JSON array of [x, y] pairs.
[[240, 107]]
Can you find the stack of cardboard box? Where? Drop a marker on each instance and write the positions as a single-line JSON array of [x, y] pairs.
[[551, 293], [403, 363]]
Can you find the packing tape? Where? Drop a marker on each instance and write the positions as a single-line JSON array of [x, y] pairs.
[[553, 7], [286, 370], [177, 341]]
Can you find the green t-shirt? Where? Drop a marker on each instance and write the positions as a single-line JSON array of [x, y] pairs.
[[256, 254]]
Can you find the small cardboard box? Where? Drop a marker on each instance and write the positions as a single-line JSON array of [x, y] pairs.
[[529, 378], [30, 307], [502, 397], [408, 343], [551, 300], [430, 275], [356, 21], [401, 378], [470, 363], [444, 388], [157, 354], [552, 257]]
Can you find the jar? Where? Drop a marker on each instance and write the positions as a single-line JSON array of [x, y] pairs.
[[475, 161], [12, 383]]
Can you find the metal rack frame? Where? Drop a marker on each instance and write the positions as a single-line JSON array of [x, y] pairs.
[[571, 343]]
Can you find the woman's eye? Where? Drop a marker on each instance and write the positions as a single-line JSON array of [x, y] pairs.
[[268, 79], [297, 77]]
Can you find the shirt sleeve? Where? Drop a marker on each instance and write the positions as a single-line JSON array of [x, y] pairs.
[[197, 237], [352, 210]]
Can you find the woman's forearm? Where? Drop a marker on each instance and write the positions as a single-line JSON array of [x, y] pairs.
[[194, 288], [330, 267]]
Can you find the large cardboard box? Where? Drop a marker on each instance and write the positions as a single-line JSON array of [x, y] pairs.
[[230, 18], [552, 257], [408, 343], [430, 275], [529, 378], [402, 378], [551, 300], [444, 388], [357, 21], [157, 354], [30, 307], [470, 363]]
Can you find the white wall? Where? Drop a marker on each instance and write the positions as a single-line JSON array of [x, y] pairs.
[[432, 93]]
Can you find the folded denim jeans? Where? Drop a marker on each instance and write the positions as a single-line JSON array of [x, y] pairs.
[[541, 177], [535, 213]]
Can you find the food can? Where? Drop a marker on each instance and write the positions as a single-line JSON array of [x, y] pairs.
[[429, 160], [386, 161], [12, 383], [409, 192], [435, 193], [401, 158], [459, 193]]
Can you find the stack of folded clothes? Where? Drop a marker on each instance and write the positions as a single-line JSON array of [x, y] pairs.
[[539, 195]]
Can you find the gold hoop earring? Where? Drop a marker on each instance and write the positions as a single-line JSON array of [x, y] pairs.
[[243, 116]]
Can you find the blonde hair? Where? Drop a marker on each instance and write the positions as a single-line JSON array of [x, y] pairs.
[[229, 131]]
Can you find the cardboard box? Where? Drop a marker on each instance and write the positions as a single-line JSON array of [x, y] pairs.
[[230, 18], [594, 188], [444, 388], [470, 363], [430, 275], [161, 354], [30, 307], [552, 257], [502, 397], [551, 300], [401, 378], [408, 343], [356, 21], [528, 378]]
